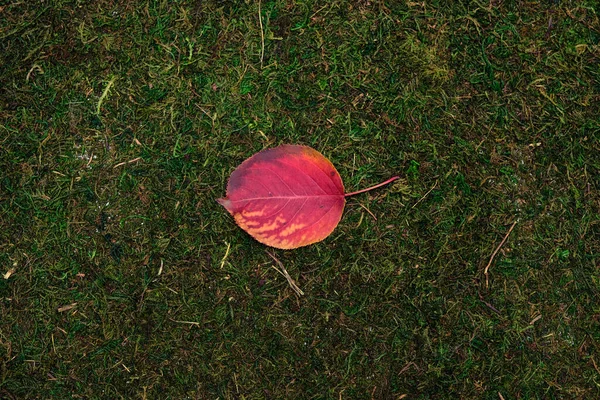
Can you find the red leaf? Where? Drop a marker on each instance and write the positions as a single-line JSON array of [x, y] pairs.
[[287, 197]]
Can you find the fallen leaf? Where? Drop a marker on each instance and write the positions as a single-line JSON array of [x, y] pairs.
[[287, 197]]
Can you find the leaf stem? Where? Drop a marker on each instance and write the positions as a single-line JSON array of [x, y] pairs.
[[392, 179]]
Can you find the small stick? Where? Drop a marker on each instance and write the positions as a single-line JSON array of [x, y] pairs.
[[487, 267], [595, 366], [392, 179], [426, 194], [369, 211], [286, 275], [491, 307]]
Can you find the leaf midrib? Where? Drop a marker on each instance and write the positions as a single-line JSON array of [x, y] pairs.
[[304, 196]]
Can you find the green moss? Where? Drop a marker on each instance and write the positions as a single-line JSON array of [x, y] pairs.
[[125, 279]]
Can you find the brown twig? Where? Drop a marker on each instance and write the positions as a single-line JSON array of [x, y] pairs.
[[595, 366], [487, 267], [426, 194], [489, 305], [369, 211], [285, 274]]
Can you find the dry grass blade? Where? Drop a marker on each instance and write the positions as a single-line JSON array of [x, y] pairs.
[[285, 274], [487, 267], [226, 254], [67, 307], [262, 36], [425, 195], [127, 162], [185, 322]]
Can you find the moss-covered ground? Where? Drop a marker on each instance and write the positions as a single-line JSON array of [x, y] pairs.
[[122, 278]]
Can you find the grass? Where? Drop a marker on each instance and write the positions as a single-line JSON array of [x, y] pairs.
[[121, 121]]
